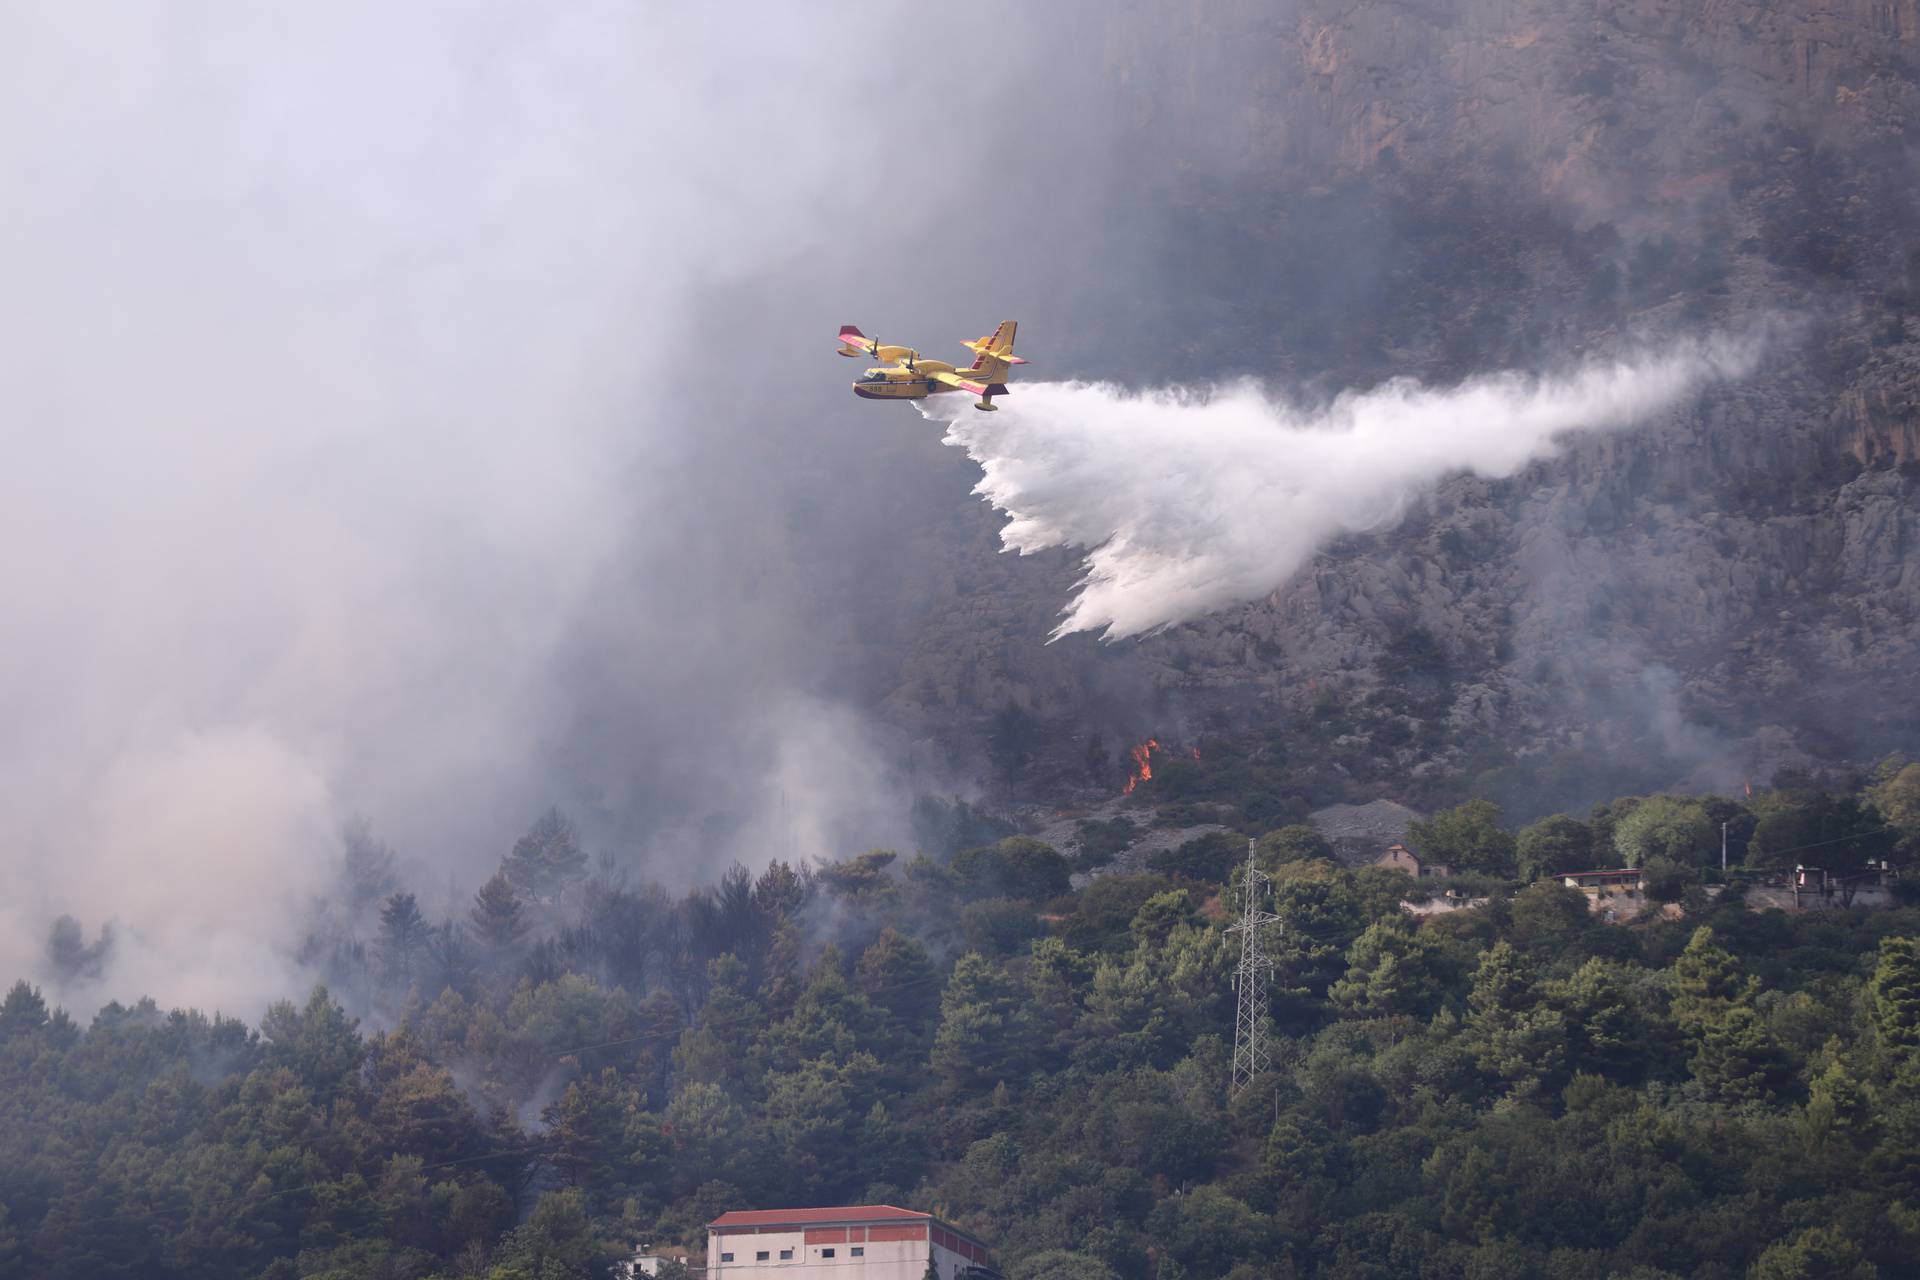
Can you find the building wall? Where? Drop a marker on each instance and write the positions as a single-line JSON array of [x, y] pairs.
[[1763, 897], [1404, 859], [888, 1253]]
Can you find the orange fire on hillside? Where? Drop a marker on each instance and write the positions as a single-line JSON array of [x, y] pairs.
[[1142, 765]]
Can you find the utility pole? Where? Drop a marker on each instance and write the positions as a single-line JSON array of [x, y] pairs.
[[1250, 1057], [1723, 851]]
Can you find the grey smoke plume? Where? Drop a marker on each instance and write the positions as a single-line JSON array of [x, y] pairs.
[[384, 430], [1191, 501]]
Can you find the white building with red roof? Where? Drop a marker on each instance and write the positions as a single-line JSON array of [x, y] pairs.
[[848, 1242]]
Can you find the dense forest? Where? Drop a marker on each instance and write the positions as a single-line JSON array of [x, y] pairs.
[[582, 1064]]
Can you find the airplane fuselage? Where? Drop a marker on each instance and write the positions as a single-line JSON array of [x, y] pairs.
[[901, 383]]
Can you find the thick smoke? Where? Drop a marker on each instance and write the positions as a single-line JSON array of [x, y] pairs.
[[1191, 501], [400, 412]]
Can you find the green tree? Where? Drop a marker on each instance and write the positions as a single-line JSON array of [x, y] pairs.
[[1211, 857], [1813, 828], [1321, 916], [318, 1042], [999, 926], [1838, 1121], [1159, 916], [1546, 917], [1392, 970], [1892, 998], [71, 955], [496, 916], [557, 1242], [588, 1126], [1127, 1022], [1552, 846], [403, 936], [1609, 1031], [1513, 1035], [1669, 827], [979, 1037], [707, 1134], [813, 1115], [1061, 1264], [1467, 837], [896, 975], [1295, 843], [1736, 1059], [1704, 981], [1017, 867], [1818, 1253], [23, 1011], [858, 876], [1897, 801], [417, 1108], [547, 858]]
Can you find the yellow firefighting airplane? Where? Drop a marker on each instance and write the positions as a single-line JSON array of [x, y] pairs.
[[907, 377]]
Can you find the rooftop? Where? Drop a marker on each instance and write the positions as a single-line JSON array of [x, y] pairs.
[[826, 1214]]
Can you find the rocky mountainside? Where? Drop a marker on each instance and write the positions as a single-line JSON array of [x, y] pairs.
[[1334, 194]]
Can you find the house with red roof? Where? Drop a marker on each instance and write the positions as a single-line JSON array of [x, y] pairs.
[[847, 1242]]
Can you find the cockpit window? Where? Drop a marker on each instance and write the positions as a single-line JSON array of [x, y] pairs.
[[875, 375]]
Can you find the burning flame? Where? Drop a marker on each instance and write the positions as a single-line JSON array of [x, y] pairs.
[[1142, 765]]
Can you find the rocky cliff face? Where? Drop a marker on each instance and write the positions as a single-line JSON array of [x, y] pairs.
[[1379, 187]]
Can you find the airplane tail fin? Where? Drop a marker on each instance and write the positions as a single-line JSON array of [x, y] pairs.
[[853, 342], [995, 351]]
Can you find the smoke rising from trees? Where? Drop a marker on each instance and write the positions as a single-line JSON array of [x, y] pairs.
[[1190, 501]]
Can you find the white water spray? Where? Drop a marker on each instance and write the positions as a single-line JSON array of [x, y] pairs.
[[1191, 501]]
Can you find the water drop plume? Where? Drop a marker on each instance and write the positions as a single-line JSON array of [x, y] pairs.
[[1192, 500]]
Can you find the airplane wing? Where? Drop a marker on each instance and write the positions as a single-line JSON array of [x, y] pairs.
[[985, 390], [963, 384], [855, 343]]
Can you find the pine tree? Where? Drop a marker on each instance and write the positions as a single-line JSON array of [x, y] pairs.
[[1513, 1037], [1704, 981], [1737, 1059], [367, 866], [71, 955], [496, 914], [1610, 1034], [1838, 1121], [450, 961], [23, 1011], [403, 932], [546, 859], [1390, 972], [1893, 998], [895, 974], [978, 1033]]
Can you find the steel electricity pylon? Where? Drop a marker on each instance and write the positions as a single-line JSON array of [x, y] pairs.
[[1250, 1057]]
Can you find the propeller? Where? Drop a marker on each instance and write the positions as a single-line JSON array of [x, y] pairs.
[[873, 347], [910, 355]]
